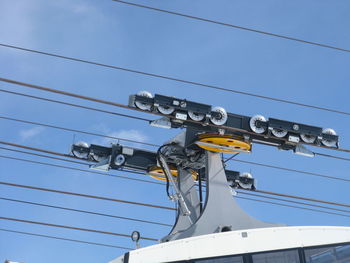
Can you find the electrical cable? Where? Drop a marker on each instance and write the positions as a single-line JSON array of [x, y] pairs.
[[80, 170], [57, 191], [163, 169], [74, 105], [293, 170], [64, 239], [83, 211], [71, 161], [292, 206], [302, 198], [177, 80], [295, 202], [168, 208], [42, 155], [129, 107], [155, 145], [332, 156], [261, 191], [85, 195], [73, 228], [75, 130], [233, 26], [226, 160], [230, 158]]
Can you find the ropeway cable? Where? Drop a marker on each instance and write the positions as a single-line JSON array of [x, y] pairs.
[[293, 201], [72, 227], [84, 211], [75, 130], [103, 198], [155, 145], [293, 170], [248, 162], [86, 195], [63, 238], [291, 206], [75, 105], [233, 26], [176, 79], [81, 170], [28, 85], [261, 191], [264, 192]]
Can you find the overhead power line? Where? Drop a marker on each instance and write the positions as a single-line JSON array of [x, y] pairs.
[[293, 170], [85, 195], [177, 80], [74, 105], [84, 211], [332, 156], [72, 228], [103, 198], [135, 172], [124, 106], [291, 206], [75, 130], [295, 202], [261, 191], [169, 208], [64, 239], [42, 155], [234, 26], [80, 170], [303, 198], [155, 145]]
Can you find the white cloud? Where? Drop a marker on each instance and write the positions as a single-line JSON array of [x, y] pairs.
[[30, 133], [134, 135], [16, 19]]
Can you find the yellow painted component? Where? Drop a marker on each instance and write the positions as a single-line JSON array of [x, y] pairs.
[[157, 173], [234, 143]]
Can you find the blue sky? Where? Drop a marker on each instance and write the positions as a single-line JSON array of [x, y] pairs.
[[126, 36]]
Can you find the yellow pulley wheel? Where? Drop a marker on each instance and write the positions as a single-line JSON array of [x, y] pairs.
[[223, 144], [157, 173]]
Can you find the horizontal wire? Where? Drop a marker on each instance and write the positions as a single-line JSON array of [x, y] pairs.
[[75, 130], [85, 195], [303, 198], [176, 79], [42, 155], [233, 26], [72, 228], [80, 170], [37, 149], [155, 145], [74, 105], [128, 107], [261, 191], [278, 194], [169, 208], [103, 198], [83, 211], [64, 239], [65, 160], [332, 156], [292, 206], [97, 172], [293, 170], [295, 202]]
